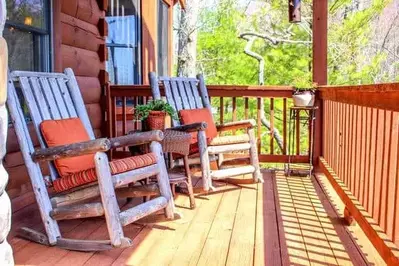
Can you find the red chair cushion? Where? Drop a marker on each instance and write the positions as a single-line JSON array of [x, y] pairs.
[[196, 116], [117, 167], [63, 132]]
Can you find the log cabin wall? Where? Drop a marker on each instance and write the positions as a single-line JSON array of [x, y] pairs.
[[79, 28]]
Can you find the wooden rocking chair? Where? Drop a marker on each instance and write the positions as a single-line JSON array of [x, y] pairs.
[[54, 96], [191, 93]]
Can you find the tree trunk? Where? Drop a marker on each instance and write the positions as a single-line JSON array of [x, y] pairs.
[[187, 34], [6, 257]]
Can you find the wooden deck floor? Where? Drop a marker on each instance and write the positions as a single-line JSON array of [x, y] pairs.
[[285, 221]]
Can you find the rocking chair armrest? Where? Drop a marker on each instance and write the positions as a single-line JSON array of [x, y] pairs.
[[190, 127], [137, 138], [71, 150], [250, 123]]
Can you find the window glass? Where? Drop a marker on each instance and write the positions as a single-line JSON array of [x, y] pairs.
[[27, 12], [20, 49], [122, 42], [28, 35]]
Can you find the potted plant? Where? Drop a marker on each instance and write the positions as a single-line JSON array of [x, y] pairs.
[[304, 97], [154, 114]]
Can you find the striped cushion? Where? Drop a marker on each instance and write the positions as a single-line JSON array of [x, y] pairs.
[[117, 167]]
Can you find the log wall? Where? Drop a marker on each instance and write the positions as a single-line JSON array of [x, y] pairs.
[[79, 43]]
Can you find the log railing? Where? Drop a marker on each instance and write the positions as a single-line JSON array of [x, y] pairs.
[[230, 103], [361, 158]]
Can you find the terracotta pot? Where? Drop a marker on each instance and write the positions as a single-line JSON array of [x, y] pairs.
[[155, 120], [303, 99]]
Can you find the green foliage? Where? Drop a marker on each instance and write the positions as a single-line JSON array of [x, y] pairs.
[[352, 59], [142, 111]]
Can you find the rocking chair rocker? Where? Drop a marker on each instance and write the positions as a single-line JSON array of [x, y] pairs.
[[56, 96]]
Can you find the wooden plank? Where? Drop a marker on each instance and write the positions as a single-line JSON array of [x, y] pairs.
[[363, 143], [272, 126], [387, 142], [67, 97], [197, 97], [392, 173], [259, 125], [373, 148], [58, 98], [91, 89], [221, 110], [285, 126], [105, 257], [190, 247], [39, 97], [395, 223], [83, 62], [190, 95], [319, 57], [216, 246], [364, 95], [267, 246], [378, 164], [81, 34], [242, 241], [176, 96], [380, 241], [183, 95], [48, 94]]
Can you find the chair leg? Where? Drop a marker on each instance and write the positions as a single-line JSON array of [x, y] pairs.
[[163, 179], [257, 176], [108, 197], [189, 182], [204, 158]]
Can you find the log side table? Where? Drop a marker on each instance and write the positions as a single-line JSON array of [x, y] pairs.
[[177, 142]]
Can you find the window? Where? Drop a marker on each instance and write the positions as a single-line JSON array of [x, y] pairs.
[[27, 33], [123, 63], [163, 38]]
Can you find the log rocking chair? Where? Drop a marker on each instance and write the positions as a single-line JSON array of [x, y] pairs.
[[191, 93], [56, 97]]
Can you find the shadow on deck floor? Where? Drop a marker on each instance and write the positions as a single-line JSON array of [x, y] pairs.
[[285, 221]]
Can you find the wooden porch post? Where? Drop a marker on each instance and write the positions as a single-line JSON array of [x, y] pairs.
[[6, 257], [320, 23]]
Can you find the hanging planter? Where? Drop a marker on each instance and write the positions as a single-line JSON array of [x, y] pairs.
[[294, 12], [303, 97]]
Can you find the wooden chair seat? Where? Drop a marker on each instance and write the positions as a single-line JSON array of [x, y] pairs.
[[227, 140]]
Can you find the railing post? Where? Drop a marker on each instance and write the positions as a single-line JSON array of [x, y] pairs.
[[318, 130]]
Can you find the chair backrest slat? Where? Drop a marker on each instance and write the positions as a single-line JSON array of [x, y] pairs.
[[197, 98], [48, 96], [169, 97], [190, 96], [181, 93], [55, 89], [176, 95], [54, 111], [67, 97]]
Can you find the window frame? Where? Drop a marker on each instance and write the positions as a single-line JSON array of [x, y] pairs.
[[42, 39], [138, 49]]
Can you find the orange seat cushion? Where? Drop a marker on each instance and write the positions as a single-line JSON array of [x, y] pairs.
[[117, 167], [197, 116], [63, 132]]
